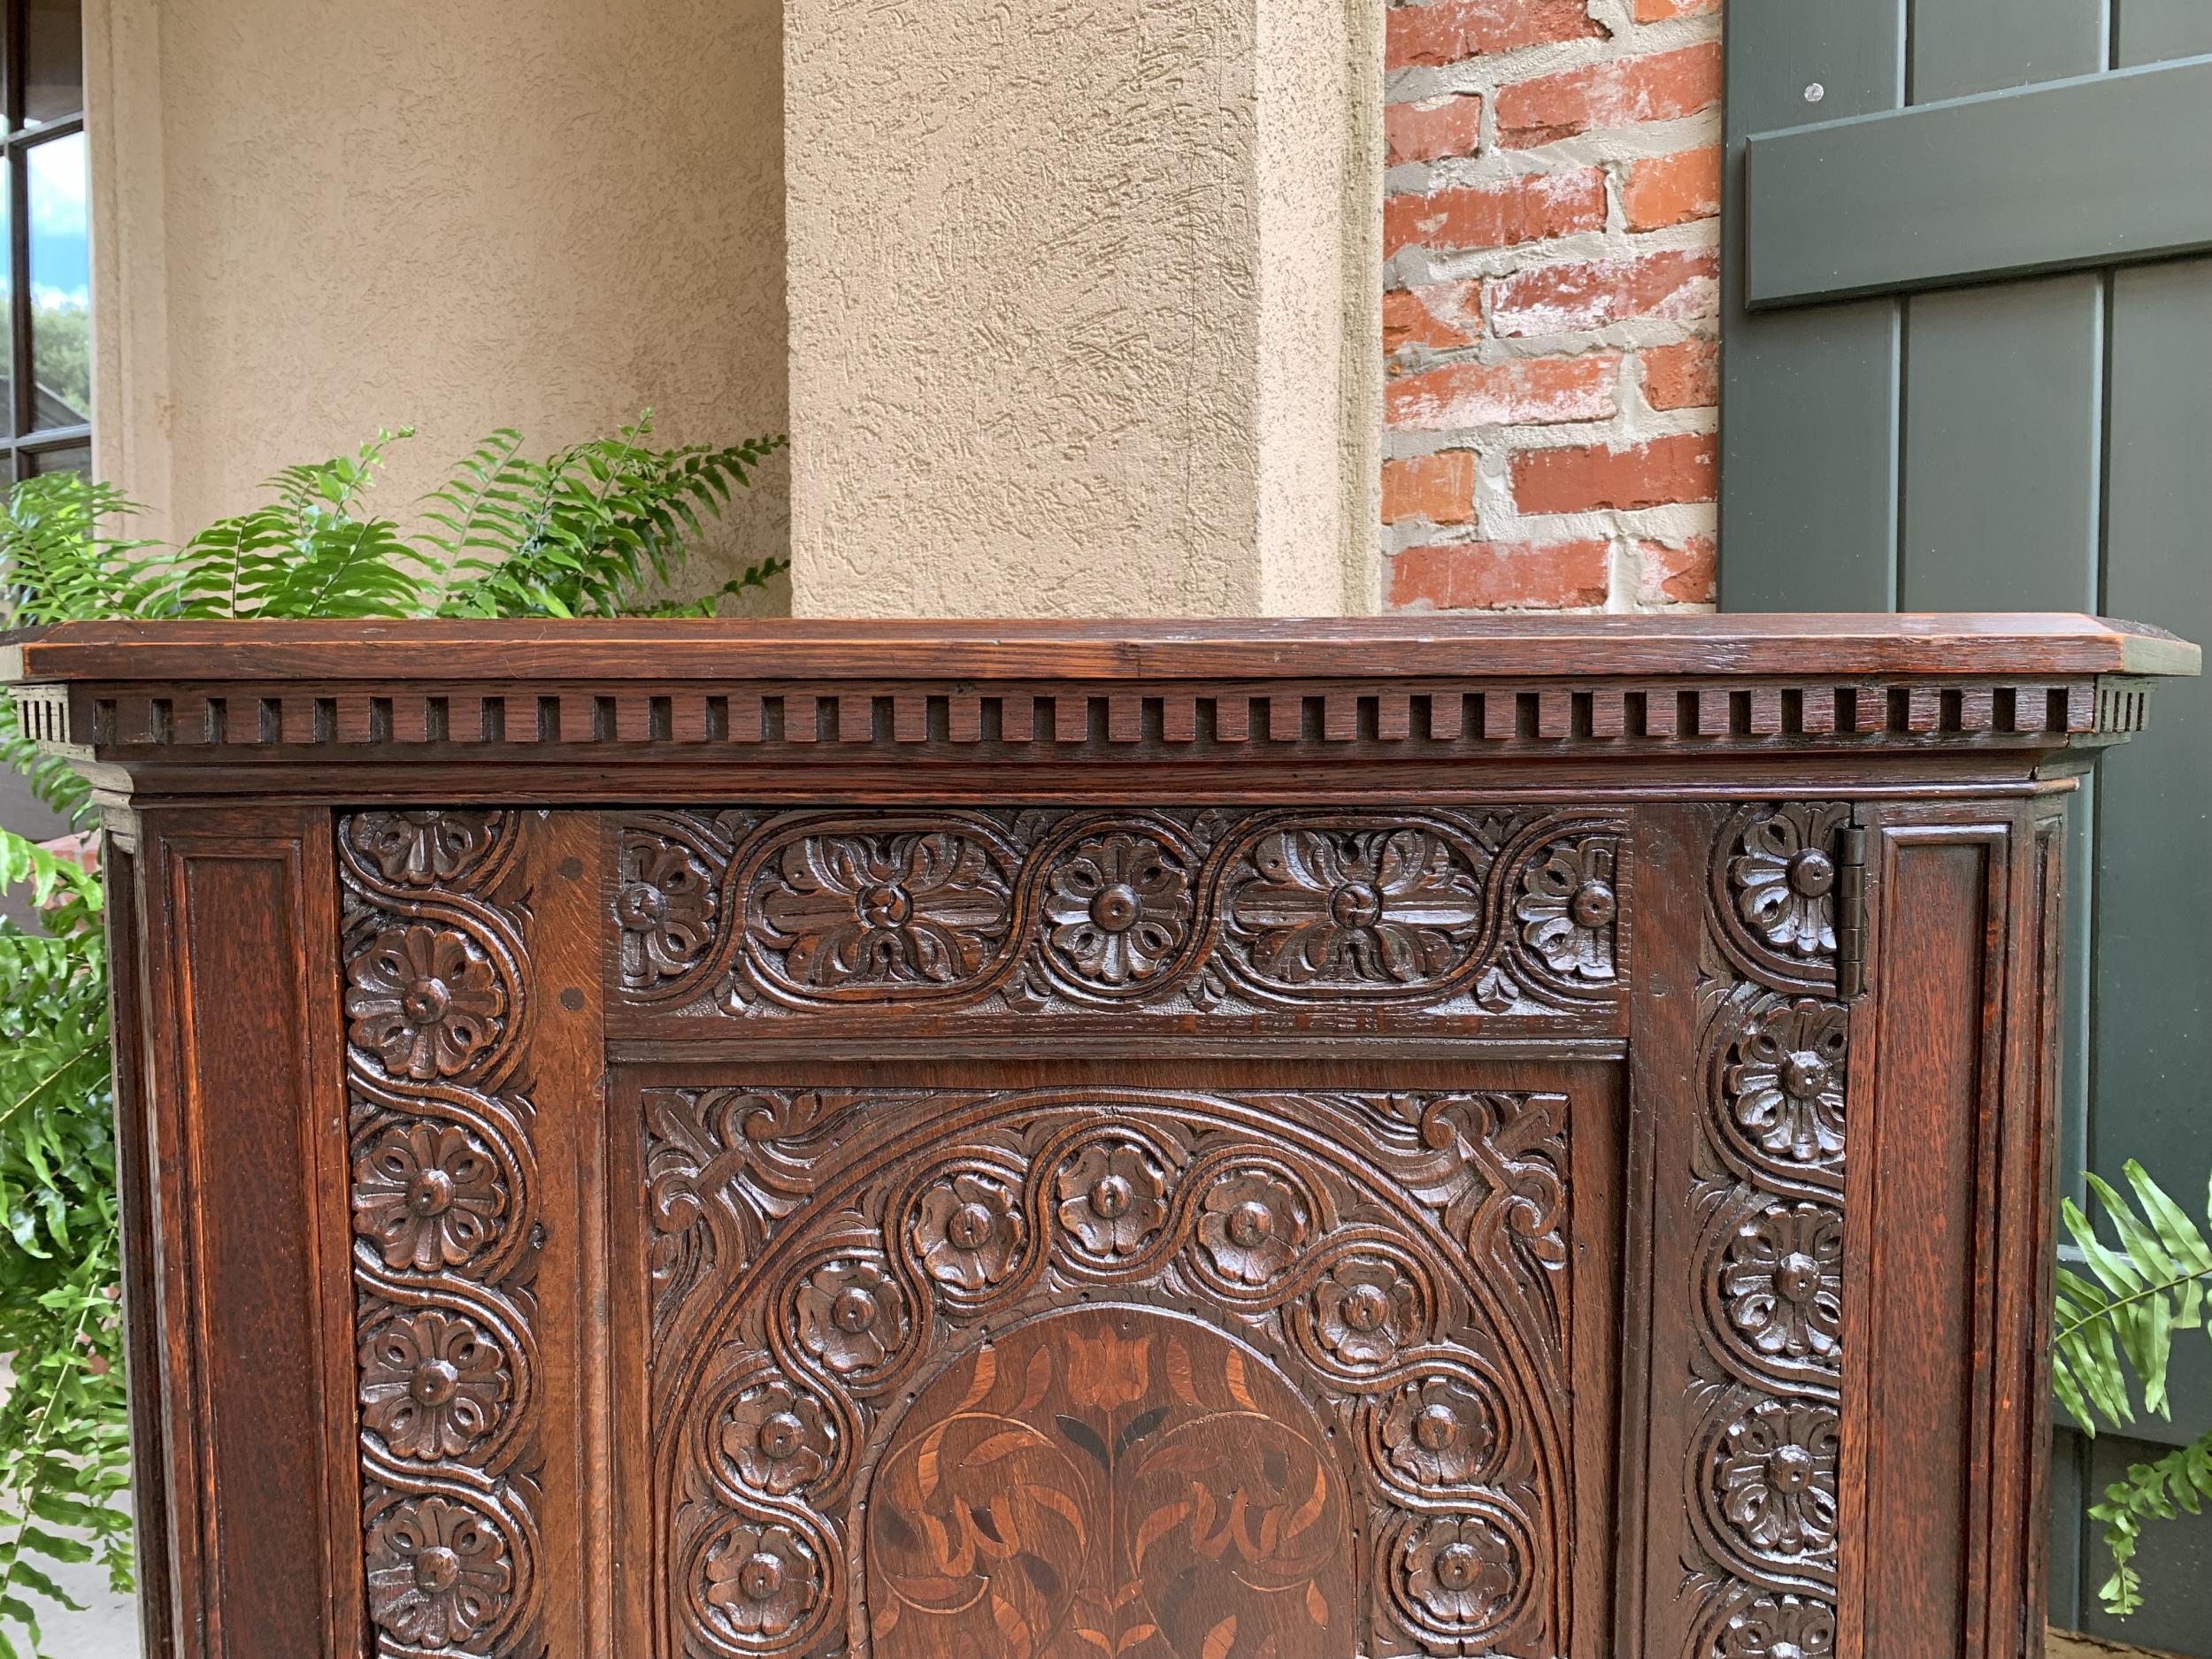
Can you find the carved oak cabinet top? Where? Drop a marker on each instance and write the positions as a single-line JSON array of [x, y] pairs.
[[570, 709], [1523, 1139]]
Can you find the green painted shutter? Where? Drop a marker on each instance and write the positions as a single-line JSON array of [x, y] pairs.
[[1967, 364]]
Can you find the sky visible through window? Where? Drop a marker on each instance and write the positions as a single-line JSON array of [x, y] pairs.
[[61, 258], [61, 281]]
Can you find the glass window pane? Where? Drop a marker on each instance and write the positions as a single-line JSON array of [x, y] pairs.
[[53, 60], [74, 458], [61, 284], [7, 296]]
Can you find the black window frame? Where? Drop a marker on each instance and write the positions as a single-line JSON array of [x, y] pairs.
[[25, 444]]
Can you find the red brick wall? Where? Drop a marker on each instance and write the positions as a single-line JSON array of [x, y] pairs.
[[1551, 246]]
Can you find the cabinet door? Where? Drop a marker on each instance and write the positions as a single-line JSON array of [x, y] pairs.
[[1144, 1358], [1184, 1232]]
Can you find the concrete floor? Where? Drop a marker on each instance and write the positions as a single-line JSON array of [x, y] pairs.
[[107, 1629]]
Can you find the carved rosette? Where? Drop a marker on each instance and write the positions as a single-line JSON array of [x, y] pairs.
[[1774, 883], [1761, 1476], [949, 1370], [444, 1213], [753, 913]]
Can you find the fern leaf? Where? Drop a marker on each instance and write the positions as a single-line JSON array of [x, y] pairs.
[[2176, 1483]]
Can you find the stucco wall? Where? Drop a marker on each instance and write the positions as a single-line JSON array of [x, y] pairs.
[[1072, 328], [313, 219]]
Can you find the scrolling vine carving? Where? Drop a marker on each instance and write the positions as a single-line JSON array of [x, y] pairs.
[[444, 1219], [1030, 1372], [1761, 1478], [757, 913]]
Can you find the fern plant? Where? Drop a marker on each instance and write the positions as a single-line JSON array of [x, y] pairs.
[[2116, 1331], [596, 529]]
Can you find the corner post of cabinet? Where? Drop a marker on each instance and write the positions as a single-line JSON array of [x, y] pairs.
[[1947, 1278], [123, 905], [231, 1106]]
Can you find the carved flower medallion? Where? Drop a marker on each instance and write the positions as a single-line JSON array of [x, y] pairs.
[[1364, 1312], [425, 1000], [778, 1438], [1117, 910], [422, 849], [852, 1315], [1777, 1477], [1440, 1431], [1778, 1627], [1567, 906], [428, 1195], [438, 1572], [431, 1384], [665, 907], [968, 1230], [920, 909], [1784, 878], [1398, 906], [1783, 1280], [1461, 1570], [1112, 1197], [764, 1580], [1787, 1086], [1252, 1226]]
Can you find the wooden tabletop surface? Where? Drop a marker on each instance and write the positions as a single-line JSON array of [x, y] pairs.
[[1967, 643]]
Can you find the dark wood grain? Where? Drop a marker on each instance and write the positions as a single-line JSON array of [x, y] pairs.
[[1172, 1140], [243, 1083], [135, 1198], [1386, 647], [1926, 1469]]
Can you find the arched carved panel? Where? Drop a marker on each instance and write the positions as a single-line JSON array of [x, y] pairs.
[[954, 1371], [444, 1203]]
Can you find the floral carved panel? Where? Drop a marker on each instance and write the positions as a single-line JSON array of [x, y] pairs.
[[444, 1219], [1760, 1476], [1172, 911], [1147, 1372]]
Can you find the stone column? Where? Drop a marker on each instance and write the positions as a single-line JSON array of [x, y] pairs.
[[1084, 301]]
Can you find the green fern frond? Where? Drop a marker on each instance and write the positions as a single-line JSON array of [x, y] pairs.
[[2177, 1483], [59, 563], [2113, 1332]]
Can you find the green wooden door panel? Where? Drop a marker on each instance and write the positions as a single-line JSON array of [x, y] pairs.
[[2150, 31], [2087, 171], [1979, 376], [2001, 447], [1962, 47], [1832, 528], [1826, 504], [2152, 1080]]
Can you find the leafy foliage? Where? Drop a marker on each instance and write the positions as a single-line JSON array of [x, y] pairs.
[[574, 535], [2116, 1331], [592, 530], [64, 1443]]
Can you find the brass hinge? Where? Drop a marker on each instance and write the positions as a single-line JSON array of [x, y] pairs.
[[1850, 910]]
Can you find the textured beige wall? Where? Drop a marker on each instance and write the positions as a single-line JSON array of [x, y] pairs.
[[313, 218], [1072, 331]]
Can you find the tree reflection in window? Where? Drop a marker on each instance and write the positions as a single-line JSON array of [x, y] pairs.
[[46, 377]]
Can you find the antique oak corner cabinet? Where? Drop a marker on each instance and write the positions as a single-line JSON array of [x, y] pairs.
[[1242, 1140]]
